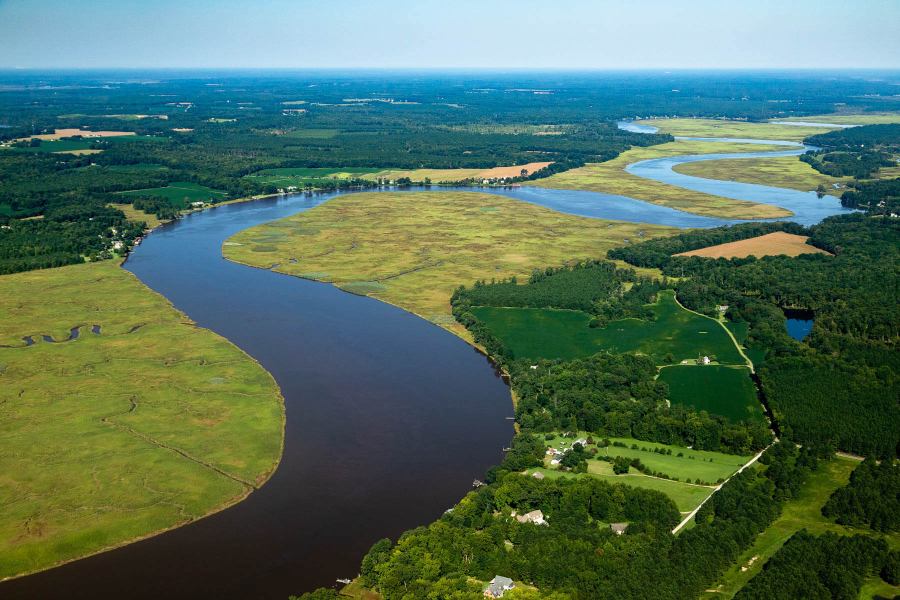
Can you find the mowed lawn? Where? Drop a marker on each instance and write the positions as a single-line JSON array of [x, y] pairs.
[[179, 191], [693, 464], [418, 247], [719, 390], [115, 436], [548, 333]]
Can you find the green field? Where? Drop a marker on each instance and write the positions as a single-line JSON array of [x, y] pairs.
[[179, 191], [138, 167], [548, 333], [311, 133], [113, 437], [719, 390], [70, 146], [694, 464], [422, 246], [299, 177], [802, 512]]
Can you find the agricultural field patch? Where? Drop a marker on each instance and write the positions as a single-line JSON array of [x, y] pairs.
[[565, 334], [719, 390], [422, 246], [180, 191], [771, 244], [116, 436]]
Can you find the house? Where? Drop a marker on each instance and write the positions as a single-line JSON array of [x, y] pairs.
[[197, 204], [722, 308], [535, 516], [581, 441], [703, 361], [552, 451], [538, 475], [557, 458], [618, 528], [498, 586], [118, 245]]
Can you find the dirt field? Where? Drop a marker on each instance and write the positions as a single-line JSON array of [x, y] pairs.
[[437, 175], [61, 133], [771, 244]]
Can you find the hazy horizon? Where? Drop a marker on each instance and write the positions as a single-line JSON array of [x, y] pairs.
[[427, 35]]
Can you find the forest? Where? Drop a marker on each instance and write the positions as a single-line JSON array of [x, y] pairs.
[[857, 152], [871, 498], [880, 197], [839, 386]]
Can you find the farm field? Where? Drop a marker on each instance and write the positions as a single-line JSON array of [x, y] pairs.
[[439, 175], [135, 215], [718, 390], [771, 244], [286, 177], [422, 246], [548, 333], [179, 191], [784, 172], [719, 128], [802, 512], [116, 436], [686, 497], [611, 178]]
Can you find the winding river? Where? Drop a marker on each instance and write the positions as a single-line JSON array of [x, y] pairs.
[[389, 418]]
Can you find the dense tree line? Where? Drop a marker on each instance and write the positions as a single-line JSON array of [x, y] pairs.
[[859, 165], [855, 138], [840, 386], [872, 497], [829, 566], [881, 197]]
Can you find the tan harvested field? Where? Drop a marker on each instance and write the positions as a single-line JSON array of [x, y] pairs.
[[438, 175], [182, 129], [85, 151], [771, 244], [61, 133]]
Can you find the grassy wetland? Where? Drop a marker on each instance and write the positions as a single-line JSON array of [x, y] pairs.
[[115, 436], [413, 249], [611, 178]]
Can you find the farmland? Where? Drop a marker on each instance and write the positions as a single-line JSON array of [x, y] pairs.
[[771, 244], [692, 464], [180, 191], [299, 177], [547, 333], [718, 390], [439, 175], [422, 246], [611, 178], [120, 433]]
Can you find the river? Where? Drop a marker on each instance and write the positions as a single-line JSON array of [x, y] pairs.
[[389, 418]]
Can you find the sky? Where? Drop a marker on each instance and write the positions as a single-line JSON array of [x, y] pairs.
[[571, 34]]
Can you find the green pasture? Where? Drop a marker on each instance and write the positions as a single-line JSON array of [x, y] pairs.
[[138, 167], [802, 512], [312, 133], [85, 144], [686, 497], [719, 390], [178, 191], [113, 437], [548, 333]]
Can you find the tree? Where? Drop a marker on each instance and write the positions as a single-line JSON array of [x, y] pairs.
[[621, 465], [669, 359]]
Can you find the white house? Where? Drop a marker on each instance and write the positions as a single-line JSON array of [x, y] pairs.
[[498, 586], [535, 516]]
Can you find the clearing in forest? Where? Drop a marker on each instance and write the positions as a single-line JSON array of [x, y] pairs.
[[118, 434], [771, 244], [179, 191], [421, 246], [565, 334]]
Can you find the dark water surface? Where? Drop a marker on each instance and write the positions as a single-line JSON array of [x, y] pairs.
[[799, 322], [389, 418]]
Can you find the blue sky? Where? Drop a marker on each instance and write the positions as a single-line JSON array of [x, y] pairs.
[[450, 34]]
